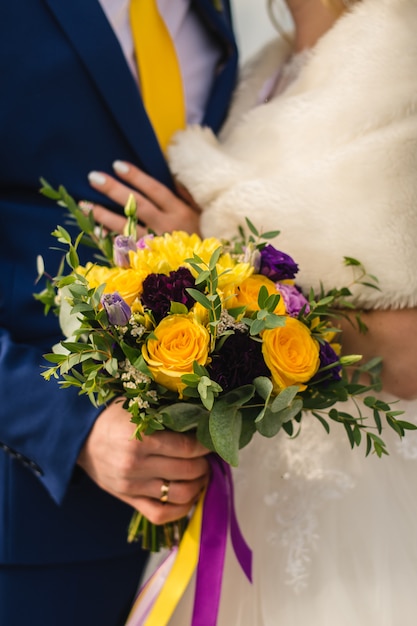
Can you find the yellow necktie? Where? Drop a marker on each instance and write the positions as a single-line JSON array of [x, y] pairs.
[[159, 71]]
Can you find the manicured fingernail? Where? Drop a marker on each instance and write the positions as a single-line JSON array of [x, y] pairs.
[[121, 167], [86, 206], [96, 178]]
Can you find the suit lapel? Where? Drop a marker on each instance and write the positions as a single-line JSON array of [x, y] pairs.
[[90, 34], [217, 17]]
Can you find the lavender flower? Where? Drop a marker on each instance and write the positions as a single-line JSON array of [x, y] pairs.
[[118, 311], [122, 245], [142, 242], [277, 265], [159, 290], [293, 299]]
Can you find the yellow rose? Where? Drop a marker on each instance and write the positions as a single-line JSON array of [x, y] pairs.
[[291, 354], [248, 291], [180, 340]]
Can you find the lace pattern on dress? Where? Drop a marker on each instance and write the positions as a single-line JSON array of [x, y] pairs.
[[301, 475]]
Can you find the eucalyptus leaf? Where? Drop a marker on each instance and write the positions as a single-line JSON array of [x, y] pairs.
[[203, 433], [284, 398], [225, 429], [270, 424], [264, 387], [182, 416]]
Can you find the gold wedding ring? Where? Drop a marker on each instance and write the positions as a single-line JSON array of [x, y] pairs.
[[164, 491]]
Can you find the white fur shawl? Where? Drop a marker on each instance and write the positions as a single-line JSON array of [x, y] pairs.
[[331, 163]]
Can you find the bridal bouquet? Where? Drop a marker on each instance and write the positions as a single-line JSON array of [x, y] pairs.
[[203, 334]]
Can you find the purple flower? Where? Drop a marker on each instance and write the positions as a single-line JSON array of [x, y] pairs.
[[121, 247], [277, 265], [238, 362], [142, 242], [118, 311], [327, 357], [293, 299], [159, 290]]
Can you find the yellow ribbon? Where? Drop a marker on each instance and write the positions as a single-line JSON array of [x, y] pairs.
[[159, 70], [179, 575]]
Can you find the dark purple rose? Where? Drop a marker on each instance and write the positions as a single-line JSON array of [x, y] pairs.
[[293, 299], [238, 362], [277, 265], [121, 247], [159, 290], [118, 311], [327, 357]]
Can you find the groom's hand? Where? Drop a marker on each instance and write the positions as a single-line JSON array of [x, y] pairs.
[[135, 471]]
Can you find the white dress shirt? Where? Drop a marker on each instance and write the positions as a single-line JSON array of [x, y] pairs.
[[197, 52]]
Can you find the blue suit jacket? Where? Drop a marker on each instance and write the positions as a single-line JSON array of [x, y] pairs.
[[68, 105]]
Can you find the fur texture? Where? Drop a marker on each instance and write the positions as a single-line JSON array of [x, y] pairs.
[[331, 162]]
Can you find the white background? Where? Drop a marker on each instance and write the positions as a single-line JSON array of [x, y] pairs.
[[252, 25]]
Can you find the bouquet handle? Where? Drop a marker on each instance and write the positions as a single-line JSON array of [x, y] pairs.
[[203, 547]]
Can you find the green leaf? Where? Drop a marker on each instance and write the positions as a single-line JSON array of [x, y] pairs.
[[203, 433], [134, 355], [177, 308], [225, 425], [270, 234], [348, 260], [47, 191], [248, 429], [251, 227], [274, 321], [72, 258], [182, 416], [256, 327], [284, 398], [272, 422], [214, 259], [264, 387], [406, 425], [199, 297], [202, 277], [191, 380], [323, 422], [262, 297]]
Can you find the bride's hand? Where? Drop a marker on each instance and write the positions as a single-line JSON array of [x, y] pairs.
[[158, 208]]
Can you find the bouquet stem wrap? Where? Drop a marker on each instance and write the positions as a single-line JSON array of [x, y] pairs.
[[203, 546]]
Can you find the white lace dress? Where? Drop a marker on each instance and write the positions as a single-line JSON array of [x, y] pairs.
[[333, 533]]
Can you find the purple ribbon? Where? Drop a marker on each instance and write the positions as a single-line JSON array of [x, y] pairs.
[[219, 516]]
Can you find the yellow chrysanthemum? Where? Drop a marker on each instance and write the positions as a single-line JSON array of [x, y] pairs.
[[168, 252], [96, 275], [126, 281], [231, 274]]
